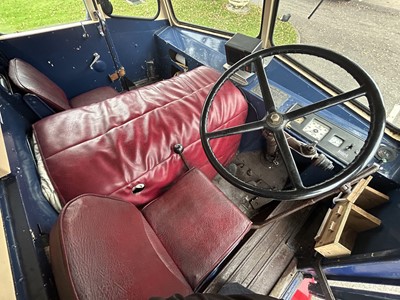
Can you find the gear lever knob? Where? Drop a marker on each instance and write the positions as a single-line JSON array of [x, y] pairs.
[[178, 149]]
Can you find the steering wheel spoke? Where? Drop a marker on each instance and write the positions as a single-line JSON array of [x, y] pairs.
[[264, 85], [257, 125], [288, 160], [329, 102]]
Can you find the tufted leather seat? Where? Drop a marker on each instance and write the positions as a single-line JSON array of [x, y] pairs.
[[29, 79], [110, 147], [114, 251]]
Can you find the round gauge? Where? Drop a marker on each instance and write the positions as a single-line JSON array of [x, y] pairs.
[[385, 153], [336, 141], [316, 129]]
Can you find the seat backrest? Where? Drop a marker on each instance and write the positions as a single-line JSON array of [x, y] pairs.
[[103, 248], [110, 147], [31, 80]]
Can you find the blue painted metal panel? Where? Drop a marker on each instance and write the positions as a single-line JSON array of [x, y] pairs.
[[38, 215], [64, 56], [16, 131], [134, 42], [197, 48], [379, 271]]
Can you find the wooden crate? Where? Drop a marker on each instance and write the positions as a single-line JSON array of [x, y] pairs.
[[341, 224]]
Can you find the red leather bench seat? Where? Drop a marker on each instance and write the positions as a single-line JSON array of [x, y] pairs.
[[109, 147], [110, 251]]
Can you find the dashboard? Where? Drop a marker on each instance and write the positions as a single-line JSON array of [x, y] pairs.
[[332, 139], [334, 131]]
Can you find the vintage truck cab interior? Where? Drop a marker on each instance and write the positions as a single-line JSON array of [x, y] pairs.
[[152, 148]]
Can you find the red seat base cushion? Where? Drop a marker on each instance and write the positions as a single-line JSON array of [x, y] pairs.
[[109, 147], [199, 240], [109, 251], [93, 96]]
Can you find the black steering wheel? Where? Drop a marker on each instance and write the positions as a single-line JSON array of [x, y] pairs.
[[275, 122]]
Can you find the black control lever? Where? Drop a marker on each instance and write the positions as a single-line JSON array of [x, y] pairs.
[[178, 149]]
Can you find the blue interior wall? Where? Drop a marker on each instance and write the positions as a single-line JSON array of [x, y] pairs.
[[65, 55], [135, 44]]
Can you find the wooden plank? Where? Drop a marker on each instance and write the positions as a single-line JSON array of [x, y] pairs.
[[358, 189], [4, 164], [333, 250], [285, 280], [338, 237], [270, 272], [347, 238], [263, 258], [360, 220], [7, 291], [365, 196], [370, 198], [338, 232], [324, 223], [335, 224]]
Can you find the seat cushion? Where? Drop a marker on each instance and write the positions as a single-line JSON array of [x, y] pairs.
[[109, 147], [93, 96], [199, 240], [31, 80], [109, 251]]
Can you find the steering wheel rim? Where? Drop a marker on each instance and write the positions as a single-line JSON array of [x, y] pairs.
[[276, 122]]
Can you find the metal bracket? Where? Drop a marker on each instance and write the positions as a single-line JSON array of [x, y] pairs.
[[117, 74], [85, 35]]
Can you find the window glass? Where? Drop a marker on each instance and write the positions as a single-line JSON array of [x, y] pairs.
[[21, 15], [365, 31], [135, 8], [243, 16]]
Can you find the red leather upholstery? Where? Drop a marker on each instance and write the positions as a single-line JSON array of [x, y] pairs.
[[93, 96], [109, 251], [31, 80], [109, 147], [197, 241]]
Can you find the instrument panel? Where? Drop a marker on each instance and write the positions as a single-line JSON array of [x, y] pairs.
[[330, 138]]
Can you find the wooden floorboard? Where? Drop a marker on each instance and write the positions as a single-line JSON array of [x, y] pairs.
[[260, 262]]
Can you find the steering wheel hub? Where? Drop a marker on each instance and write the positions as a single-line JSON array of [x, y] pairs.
[[274, 119]]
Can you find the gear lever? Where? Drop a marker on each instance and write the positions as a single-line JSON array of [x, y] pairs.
[[178, 149]]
